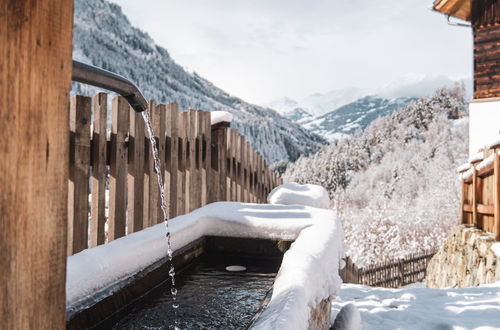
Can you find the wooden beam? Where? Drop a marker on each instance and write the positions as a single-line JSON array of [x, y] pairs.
[[35, 75]]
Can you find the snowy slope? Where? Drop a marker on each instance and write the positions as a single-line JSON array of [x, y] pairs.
[[353, 116], [104, 37]]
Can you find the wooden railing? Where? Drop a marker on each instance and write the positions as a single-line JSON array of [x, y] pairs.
[[389, 274], [112, 186], [480, 196]]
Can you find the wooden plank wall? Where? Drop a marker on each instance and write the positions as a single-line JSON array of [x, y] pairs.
[[201, 164], [480, 196], [485, 20]]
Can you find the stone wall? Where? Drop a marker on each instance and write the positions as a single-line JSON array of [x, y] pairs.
[[467, 258]]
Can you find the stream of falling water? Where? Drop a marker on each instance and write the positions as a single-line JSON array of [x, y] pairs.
[[163, 199]]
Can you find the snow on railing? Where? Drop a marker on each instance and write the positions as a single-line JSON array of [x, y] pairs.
[[480, 196]]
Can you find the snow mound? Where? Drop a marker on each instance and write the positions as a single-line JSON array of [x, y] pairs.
[[422, 308], [308, 274], [299, 194], [463, 168], [220, 116]]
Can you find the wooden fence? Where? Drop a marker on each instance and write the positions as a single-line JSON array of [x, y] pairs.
[[390, 274], [112, 186], [480, 197]]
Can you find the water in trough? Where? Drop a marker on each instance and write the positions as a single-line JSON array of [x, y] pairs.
[[212, 297]]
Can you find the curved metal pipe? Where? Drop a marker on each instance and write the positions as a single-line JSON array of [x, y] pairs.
[[91, 75]]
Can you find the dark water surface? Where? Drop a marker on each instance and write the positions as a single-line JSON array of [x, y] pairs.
[[209, 297]]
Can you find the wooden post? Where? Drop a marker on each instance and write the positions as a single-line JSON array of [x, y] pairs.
[[135, 220], [99, 154], [78, 193], [118, 169], [172, 162], [207, 159], [496, 192], [35, 74], [474, 194]]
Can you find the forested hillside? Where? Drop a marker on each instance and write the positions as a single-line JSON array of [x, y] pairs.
[[104, 37], [395, 183]]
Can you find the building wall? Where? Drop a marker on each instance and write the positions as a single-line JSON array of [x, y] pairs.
[[485, 20], [484, 123]]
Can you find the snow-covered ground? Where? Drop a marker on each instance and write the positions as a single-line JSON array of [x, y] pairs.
[[421, 308]]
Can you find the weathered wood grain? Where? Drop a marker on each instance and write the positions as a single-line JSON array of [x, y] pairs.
[[35, 74], [99, 154], [118, 169]]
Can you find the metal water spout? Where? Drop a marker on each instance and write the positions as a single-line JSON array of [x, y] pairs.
[[91, 75]]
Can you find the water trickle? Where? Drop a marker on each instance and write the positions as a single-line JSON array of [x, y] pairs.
[[159, 178]]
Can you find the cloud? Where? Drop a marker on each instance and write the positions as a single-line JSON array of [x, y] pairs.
[[265, 49]]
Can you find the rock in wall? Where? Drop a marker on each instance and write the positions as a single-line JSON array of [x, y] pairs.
[[466, 259]]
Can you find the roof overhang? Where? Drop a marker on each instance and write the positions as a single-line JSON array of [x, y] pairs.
[[456, 8]]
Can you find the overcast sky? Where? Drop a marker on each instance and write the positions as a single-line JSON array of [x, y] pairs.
[[261, 50]]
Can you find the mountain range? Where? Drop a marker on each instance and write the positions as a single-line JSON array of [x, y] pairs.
[[104, 37], [339, 113]]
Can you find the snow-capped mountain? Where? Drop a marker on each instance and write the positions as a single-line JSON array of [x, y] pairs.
[[353, 116], [103, 36]]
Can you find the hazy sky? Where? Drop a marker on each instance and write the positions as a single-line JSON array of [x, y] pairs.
[[262, 50]]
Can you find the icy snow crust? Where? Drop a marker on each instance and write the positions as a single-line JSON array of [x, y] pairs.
[[299, 194], [308, 274], [421, 308]]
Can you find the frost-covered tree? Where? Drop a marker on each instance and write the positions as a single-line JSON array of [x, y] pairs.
[[394, 184]]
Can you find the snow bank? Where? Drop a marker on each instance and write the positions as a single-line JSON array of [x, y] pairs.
[[220, 116], [308, 274], [421, 308], [299, 194]]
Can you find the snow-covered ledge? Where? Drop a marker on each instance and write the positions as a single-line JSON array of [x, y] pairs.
[[308, 274]]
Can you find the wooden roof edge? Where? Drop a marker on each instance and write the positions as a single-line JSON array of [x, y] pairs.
[[456, 8]]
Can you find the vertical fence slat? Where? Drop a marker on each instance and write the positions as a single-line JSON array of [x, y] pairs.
[[194, 188], [172, 153], [154, 214], [136, 145], [207, 159], [222, 141], [183, 162], [239, 167], [79, 122], [118, 169], [496, 193], [99, 139], [474, 196]]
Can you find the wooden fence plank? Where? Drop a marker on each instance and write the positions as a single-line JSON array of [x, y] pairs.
[[154, 213], [118, 169], [207, 156], [223, 151], [183, 125], [496, 193], [161, 112], [172, 154], [99, 153], [239, 167], [135, 219], [79, 122]]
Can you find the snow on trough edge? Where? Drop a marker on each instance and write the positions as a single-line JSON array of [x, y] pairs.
[[292, 193], [308, 273]]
